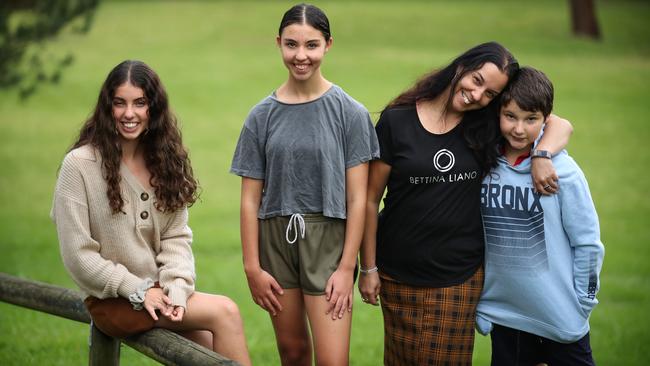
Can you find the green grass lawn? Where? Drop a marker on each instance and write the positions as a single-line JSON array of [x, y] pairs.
[[217, 59]]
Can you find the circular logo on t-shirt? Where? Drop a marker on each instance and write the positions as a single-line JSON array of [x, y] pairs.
[[444, 160]]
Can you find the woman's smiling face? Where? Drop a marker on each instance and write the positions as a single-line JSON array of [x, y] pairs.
[[303, 48], [130, 111], [478, 87]]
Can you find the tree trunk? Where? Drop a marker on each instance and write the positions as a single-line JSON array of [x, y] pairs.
[[583, 19]]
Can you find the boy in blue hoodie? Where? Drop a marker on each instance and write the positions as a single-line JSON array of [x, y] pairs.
[[543, 254]]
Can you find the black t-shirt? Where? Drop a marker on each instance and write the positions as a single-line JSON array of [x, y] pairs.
[[430, 231]]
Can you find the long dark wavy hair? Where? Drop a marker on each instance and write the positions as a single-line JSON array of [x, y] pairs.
[[480, 127], [165, 156]]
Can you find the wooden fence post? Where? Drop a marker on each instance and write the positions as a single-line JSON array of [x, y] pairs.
[[104, 349]]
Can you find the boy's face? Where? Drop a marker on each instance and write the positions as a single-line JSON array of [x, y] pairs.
[[520, 128]]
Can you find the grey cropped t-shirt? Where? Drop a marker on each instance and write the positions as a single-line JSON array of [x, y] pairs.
[[302, 151]]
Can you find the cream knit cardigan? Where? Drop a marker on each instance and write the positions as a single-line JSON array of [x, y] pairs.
[[111, 255]]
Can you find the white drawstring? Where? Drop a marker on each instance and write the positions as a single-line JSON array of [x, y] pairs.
[[297, 221]]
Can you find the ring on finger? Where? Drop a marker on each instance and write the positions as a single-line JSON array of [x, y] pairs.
[[546, 187]]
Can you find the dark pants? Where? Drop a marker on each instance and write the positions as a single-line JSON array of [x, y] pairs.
[[512, 347]]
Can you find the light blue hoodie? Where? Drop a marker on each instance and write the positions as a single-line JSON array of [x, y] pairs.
[[543, 254]]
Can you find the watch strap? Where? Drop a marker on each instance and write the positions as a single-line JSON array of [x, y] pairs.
[[541, 154]]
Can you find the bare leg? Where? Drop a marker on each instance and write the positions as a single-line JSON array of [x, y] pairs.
[[331, 337], [202, 337], [291, 331], [219, 315]]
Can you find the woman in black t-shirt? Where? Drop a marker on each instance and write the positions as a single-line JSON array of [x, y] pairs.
[[438, 140]]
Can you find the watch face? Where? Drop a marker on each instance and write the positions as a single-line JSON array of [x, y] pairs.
[[541, 154]]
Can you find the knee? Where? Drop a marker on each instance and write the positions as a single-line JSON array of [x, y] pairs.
[[295, 352], [230, 309], [227, 313]]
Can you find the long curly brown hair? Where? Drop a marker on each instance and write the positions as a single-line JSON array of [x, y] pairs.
[[165, 156], [480, 127]]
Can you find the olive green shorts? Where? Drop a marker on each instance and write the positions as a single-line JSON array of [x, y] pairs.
[[309, 262]]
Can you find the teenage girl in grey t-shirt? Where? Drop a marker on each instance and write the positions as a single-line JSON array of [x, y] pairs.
[[303, 157]]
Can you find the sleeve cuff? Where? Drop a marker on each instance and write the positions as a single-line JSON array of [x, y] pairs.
[[137, 298], [178, 294]]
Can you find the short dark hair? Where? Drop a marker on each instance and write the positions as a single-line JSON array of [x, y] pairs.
[[531, 90], [306, 14]]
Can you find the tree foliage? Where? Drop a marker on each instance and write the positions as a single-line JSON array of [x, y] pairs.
[[25, 28]]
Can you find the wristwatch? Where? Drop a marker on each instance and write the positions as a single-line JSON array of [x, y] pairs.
[[541, 154]]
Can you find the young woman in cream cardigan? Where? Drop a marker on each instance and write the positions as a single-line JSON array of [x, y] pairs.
[[120, 209]]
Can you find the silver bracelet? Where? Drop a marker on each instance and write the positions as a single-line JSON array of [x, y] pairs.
[[369, 270]]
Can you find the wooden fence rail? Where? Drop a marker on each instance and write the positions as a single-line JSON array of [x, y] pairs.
[[161, 345]]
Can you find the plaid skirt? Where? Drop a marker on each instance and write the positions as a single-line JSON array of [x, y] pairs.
[[427, 325]]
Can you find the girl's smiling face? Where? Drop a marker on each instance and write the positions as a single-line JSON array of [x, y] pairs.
[[303, 48], [130, 111]]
